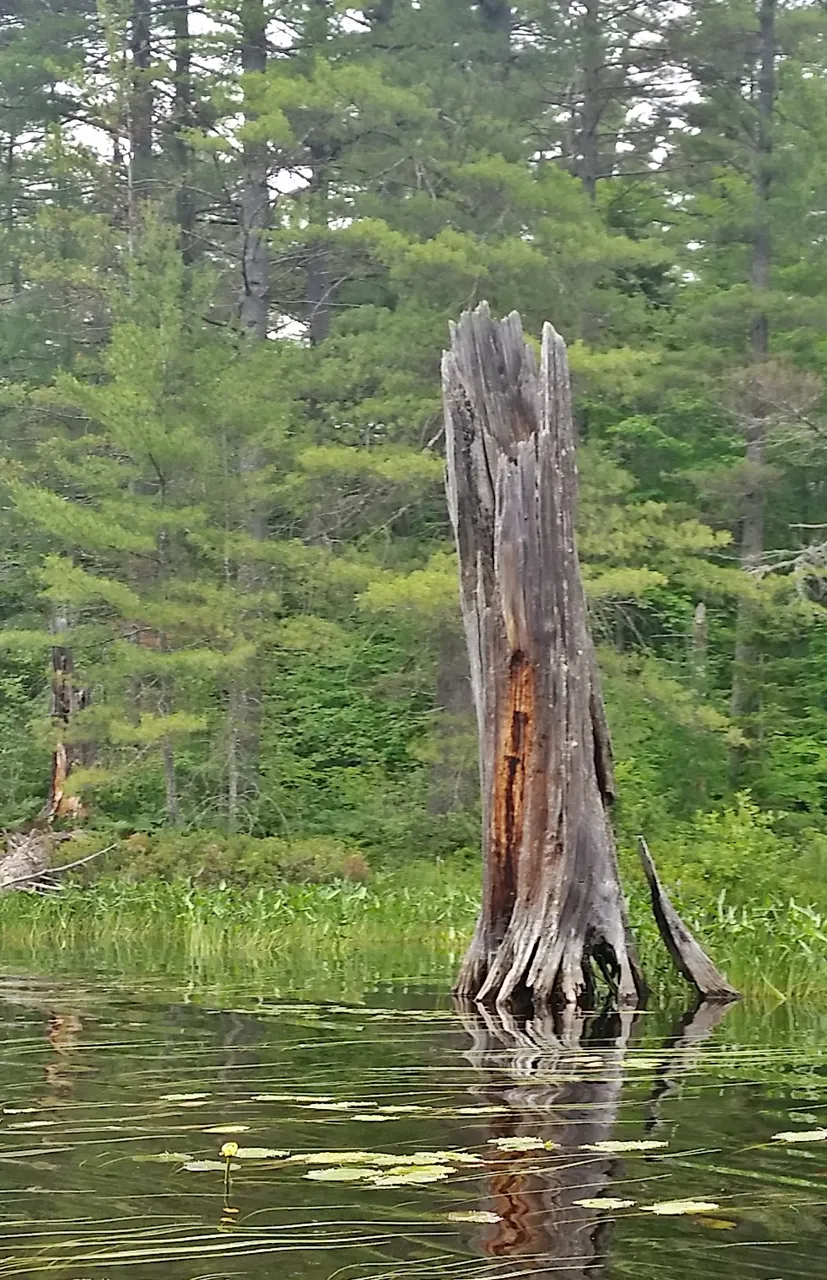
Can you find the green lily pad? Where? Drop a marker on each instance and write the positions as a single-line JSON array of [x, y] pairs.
[[344, 1173], [801, 1135], [209, 1166], [261, 1153], [617, 1148], [413, 1175], [605, 1202], [522, 1144], [165, 1157], [677, 1208]]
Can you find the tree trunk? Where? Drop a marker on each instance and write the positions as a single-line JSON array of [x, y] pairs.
[[699, 657], [496, 14], [141, 101], [255, 194], [67, 699], [752, 526], [381, 13], [552, 902], [243, 715], [183, 119], [591, 111]]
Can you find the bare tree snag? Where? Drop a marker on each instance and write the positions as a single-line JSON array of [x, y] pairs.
[[67, 700], [689, 957], [552, 902]]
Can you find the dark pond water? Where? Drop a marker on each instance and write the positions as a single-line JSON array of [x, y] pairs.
[[398, 1138]]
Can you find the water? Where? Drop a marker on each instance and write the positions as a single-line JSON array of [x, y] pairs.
[[442, 1118]]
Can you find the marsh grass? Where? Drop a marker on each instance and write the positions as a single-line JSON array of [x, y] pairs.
[[412, 923]]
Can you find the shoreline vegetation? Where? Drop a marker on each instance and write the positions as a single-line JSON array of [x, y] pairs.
[[333, 935]]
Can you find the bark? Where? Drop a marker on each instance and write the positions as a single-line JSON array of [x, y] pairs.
[[183, 119], [752, 526], [700, 651], [690, 958], [25, 860], [172, 807], [141, 99], [67, 700], [592, 108], [381, 13], [496, 14], [255, 209], [319, 278], [552, 903], [243, 718], [15, 281]]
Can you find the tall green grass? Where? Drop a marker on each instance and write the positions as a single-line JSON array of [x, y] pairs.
[[335, 938]]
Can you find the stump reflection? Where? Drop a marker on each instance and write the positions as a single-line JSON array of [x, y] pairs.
[[561, 1077]]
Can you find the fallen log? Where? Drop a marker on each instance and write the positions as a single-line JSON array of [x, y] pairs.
[[26, 864]]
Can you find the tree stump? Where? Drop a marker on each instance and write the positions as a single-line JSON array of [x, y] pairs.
[[552, 902]]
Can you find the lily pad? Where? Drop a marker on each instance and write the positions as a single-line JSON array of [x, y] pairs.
[[260, 1153], [293, 1097], [605, 1202], [165, 1157], [677, 1208], [343, 1173], [616, 1148], [425, 1158], [473, 1215], [209, 1166], [413, 1175], [377, 1158], [522, 1144], [801, 1135], [479, 1111], [339, 1106]]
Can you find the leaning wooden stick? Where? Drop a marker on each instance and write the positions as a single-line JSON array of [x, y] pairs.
[[689, 957]]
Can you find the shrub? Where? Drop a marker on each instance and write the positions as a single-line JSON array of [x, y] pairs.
[[210, 858]]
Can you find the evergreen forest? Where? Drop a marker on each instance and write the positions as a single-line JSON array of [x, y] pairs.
[[233, 236]]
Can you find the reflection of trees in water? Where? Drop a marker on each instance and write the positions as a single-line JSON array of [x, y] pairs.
[[63, 1031], [562, 1081]]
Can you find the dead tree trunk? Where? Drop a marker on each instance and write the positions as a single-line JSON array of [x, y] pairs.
[[552, 902], [67, 700]]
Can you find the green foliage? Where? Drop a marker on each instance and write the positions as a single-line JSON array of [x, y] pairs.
[[249, 541], [206, 858]]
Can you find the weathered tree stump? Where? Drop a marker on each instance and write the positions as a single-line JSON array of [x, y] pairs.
[[552, 902]]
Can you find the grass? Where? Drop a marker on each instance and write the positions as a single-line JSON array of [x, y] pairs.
[[340, 938]]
